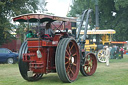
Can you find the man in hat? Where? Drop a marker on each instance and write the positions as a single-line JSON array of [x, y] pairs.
[[107, 55]]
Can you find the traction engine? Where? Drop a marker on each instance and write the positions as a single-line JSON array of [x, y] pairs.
[[62, 53]]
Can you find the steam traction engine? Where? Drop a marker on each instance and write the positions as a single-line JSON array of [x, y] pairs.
[[59, 53]]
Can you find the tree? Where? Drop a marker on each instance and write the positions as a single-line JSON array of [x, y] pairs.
[[20, 27], [112, 15], [79, 6], [11, 8]]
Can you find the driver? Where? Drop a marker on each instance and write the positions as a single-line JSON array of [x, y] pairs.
[[48, 30]]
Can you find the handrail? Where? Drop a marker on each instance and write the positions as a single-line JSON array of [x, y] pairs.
[[85, 30], [79, 28], [86, 24]]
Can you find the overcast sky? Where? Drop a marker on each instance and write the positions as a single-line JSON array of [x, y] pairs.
[[58, 7]]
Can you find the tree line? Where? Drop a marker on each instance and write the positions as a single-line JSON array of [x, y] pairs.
[[12, 8], [112, 15]]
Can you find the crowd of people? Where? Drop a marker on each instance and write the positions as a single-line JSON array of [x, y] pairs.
[[116, 50], [110, 52]]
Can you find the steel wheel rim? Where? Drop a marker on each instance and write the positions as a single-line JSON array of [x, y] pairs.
[[90, 64], [72, 60], [10, 60], [101, 56]]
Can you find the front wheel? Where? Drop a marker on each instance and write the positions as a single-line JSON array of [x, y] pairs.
[[88, 64]]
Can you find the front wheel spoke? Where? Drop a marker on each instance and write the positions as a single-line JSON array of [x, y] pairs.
[[86, 64], [90, 68], [86, 61], [87, 69], [90, 60], [86, 58]]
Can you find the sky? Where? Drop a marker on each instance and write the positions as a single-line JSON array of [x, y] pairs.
[[58, 7]]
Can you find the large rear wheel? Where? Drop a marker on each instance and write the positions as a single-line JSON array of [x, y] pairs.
[[67, 60], [88, 64], [24, 66]]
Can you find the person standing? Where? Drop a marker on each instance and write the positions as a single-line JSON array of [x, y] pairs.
[[107, 55], [112, 52], [121, 50]]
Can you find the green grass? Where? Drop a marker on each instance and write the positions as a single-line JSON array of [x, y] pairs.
[[115, 74]]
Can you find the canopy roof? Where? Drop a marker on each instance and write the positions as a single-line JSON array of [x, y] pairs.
[[41, 17], [99, 31]]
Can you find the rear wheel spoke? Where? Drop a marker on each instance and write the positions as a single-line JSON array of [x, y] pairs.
[[74, 64], [72, 46], [67, 68], [71, 71], [74, 54], [66, 57], [68, 47], [68, 53], [66, 62]]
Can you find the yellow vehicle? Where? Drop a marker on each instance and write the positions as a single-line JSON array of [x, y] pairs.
[[105, 38]]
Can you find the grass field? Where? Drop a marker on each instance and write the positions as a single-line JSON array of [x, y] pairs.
[[115, 74]]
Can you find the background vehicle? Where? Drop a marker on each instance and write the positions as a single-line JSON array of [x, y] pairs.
[[96, 45], [105, 39], [7, 56], [62, 53]]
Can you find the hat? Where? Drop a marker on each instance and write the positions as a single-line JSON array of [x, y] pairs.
[[105, 47]]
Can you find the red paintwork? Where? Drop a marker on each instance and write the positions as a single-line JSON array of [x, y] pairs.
[[118, 42], [62, 27], [47, 47]]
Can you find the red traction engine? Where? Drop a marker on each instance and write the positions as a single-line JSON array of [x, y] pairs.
[[59, 53]]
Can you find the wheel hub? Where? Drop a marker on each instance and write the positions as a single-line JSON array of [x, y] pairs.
[[71, 59]]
